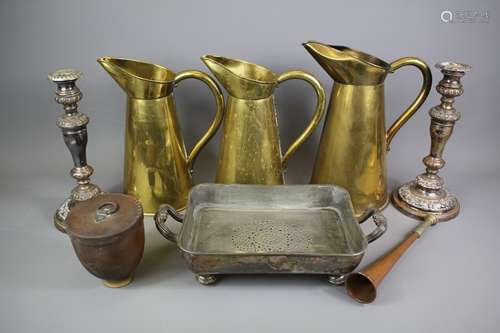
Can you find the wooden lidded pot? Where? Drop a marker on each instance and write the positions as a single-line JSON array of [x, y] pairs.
[[107, 233]]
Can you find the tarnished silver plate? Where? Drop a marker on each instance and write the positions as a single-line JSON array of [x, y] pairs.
[[254, 229]]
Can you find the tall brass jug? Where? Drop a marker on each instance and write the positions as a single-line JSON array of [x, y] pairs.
[[250, 151], [354, 141], [157, 166]]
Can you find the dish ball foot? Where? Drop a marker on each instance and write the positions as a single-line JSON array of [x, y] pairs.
[[206, 279], [337, 280]]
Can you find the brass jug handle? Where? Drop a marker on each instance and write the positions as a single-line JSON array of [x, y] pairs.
[[419, 100], [318, 114], [219, 113]]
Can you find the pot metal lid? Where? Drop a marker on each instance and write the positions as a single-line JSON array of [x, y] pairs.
[[106, 215]]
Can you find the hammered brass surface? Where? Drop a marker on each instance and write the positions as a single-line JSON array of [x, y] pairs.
[[155, 156], [250, 150], [354, 141], [352, 150], [157, 165]]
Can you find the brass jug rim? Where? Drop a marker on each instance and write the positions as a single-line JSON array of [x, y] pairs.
[[268, 77], [170, 75], [363, 57]]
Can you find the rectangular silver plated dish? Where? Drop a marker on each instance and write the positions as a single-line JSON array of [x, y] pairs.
[[258, 229]]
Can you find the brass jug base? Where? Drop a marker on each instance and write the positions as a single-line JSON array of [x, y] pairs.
[[118, 283], [420, 214]]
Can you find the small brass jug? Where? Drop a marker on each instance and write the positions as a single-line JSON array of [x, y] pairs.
[[354, 141], [157, 166], [250, 151]]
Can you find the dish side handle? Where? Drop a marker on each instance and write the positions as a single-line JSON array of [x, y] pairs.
[[379, 220], [161, 217]]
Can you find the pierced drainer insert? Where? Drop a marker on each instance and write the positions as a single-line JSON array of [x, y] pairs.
[[269, 236]]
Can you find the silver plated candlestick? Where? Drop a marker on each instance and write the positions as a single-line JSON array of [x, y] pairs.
[[73, 125], [427, 194]]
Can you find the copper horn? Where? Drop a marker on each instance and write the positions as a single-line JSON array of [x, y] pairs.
[[362, 286]]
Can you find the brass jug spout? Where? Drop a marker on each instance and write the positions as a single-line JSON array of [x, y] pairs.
[[348, 66], [242, 79], [139, 79]]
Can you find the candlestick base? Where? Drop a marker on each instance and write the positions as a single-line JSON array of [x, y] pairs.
[[81, 192], [416, 202], [61, 214]]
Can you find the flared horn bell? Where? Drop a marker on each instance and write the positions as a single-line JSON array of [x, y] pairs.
[[362, 286]]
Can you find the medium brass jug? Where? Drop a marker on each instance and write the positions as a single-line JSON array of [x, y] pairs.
[[250, 151], [157, 166], [354, 141]]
